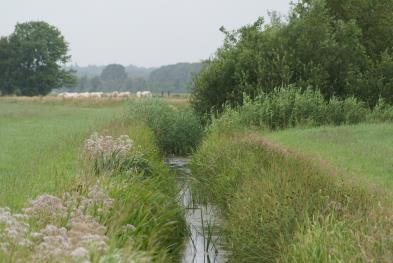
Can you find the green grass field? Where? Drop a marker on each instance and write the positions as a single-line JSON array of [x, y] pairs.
[[39, 145], [364, 150]]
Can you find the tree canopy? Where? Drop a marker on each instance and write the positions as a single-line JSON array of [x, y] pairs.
[[342, 48], [31, 60], [114, 72]]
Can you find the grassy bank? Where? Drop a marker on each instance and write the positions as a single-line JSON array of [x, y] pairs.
[[365, 150], [281, 206], [145, 196]]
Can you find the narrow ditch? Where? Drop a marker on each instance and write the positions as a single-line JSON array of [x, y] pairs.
[[203, 244]]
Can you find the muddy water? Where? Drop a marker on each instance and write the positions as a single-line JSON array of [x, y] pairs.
[[202, 220]]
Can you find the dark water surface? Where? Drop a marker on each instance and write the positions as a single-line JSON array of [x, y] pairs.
[[202, 220]]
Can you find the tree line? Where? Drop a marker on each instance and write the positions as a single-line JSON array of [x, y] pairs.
[[340, 48], [171, 78]]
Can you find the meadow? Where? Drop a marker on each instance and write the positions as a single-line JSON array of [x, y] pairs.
[[40, 142]]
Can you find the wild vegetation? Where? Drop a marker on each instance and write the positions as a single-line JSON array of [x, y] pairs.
[[177, 129], [282, 206], [291, 107]]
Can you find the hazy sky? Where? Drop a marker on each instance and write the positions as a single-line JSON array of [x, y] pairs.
[[144, 32]]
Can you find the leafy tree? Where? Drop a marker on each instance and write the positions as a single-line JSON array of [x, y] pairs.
[[174, 78], [96, 83], [326, 45], [38, 53], [6, 84], [84, 82], [114, 72]]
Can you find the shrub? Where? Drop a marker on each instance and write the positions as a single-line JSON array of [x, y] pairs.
[[291, 107], [177, 130], [381, 112]]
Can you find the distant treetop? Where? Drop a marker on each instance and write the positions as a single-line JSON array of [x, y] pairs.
[[114, 72]]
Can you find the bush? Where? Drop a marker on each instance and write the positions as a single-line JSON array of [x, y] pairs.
[[382, 112], [290, 107], [177, 130]]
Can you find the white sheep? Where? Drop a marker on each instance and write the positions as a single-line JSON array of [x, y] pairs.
[[144, 94], [125, 94]]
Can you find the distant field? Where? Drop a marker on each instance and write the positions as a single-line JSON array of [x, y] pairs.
[[39, 144], [363, 150]]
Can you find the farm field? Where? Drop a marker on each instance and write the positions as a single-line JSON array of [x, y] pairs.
[[39, 144], [365, 151]]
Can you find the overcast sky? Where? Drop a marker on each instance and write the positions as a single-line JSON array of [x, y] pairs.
[[143, 32]]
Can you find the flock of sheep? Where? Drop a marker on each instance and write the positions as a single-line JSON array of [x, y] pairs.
[[96, 95]]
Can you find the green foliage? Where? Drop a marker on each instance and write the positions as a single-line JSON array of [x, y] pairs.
[[116, 164], [290, 107], [34, 54], [114, 72], [149, 203], [113, 75], [177, 130], [382, 112], [325, 45], [173, 78]]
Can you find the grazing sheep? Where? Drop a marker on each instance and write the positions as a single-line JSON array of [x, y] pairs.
[[124, 94], [144, 94], [94, 95]]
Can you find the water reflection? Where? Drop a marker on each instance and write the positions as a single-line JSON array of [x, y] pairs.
[[203, 243]]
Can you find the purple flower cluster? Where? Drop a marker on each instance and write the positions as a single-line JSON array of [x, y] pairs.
[[99, 145], [67, 229]]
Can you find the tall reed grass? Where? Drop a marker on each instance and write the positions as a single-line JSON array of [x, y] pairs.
[[279, 206], [291, 107]]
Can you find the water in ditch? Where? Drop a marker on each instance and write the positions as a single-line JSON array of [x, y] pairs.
[[203, 244]]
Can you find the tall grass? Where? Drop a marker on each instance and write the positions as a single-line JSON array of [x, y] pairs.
[[291, 107], [177, 129], [281, 207], [147, 202]]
